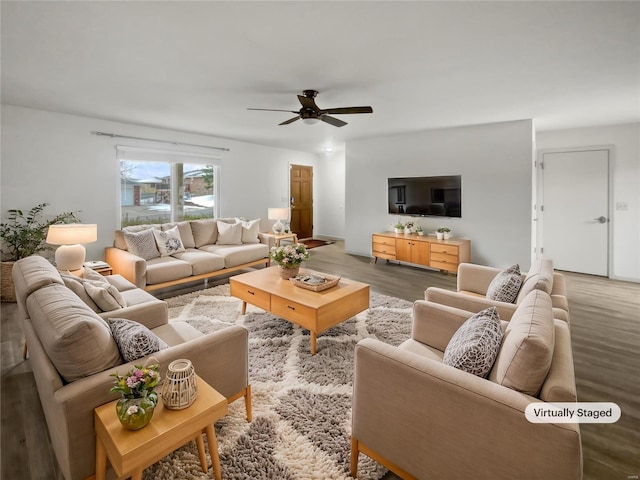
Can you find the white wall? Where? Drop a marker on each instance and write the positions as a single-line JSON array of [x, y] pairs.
[[625, 183], [495, 161], [53, 158], [330, 195]]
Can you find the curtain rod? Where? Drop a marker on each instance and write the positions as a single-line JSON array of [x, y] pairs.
[[114, 135]]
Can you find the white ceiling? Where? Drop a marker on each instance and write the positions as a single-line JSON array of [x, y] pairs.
[[197, 66]]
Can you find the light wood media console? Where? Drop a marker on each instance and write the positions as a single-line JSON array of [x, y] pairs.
[[422, 250]]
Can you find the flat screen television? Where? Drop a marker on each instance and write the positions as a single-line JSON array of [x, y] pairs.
[[426, 196]]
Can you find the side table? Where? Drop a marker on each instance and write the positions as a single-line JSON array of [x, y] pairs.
[[130, 452], [286, 236]]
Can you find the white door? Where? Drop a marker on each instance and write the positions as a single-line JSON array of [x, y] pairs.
[[575, 211]]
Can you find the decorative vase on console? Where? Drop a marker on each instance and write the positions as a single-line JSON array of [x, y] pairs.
[[289, 258], [138, 398]]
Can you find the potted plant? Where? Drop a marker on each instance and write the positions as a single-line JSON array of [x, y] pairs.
[[24, 235], [419, 230], [289, 258], [399, 227], [443, 233]]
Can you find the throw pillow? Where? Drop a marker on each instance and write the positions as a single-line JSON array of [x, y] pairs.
[[142, 244], [90, 274], [169, 241], [204, 232], [474, 347], [229, 233], [75, 284], [106, 296], [505, 285], [250, 230], [134, 340]]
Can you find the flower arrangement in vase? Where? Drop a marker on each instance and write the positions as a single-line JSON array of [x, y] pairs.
[[289, 258], [138, 398], [409, 227]]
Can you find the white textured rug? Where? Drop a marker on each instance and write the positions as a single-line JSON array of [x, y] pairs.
[[301, 403]]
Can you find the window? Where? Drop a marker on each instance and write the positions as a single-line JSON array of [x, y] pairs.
[[166, 186]]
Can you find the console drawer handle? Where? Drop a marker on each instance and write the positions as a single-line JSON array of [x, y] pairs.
[[250, 292], [290, 307]]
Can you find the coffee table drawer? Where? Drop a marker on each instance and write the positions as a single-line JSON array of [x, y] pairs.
[[293, 311], [254, 296]]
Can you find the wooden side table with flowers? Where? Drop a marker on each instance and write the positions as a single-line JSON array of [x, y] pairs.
[[131, 451]]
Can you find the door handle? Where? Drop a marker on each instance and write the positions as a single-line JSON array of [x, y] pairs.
[[601, 219]]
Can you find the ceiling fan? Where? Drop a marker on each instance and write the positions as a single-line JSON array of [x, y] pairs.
[[311, 113]]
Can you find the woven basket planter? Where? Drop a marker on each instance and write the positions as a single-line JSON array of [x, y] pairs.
[[7, 290]]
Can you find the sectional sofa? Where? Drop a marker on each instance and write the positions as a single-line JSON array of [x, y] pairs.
[[209, 248]]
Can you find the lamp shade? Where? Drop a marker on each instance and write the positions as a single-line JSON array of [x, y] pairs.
[[278, 213], [72, 233]]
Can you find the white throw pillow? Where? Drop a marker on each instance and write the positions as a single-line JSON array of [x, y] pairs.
[[169, 241], [229, 233], [106, 296], [475, 345], [250, 230], [142, 244]]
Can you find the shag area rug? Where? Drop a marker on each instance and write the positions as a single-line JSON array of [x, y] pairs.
[[301, 403]]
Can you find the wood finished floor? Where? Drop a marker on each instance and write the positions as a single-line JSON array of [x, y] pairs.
[[605, 329]]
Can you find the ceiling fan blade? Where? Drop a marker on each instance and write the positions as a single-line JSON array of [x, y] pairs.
[[332, 121], [271, 110], [308, 102], [291, 120], [346, 110]]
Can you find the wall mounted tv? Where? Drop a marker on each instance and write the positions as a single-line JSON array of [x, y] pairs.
[[426, 196]]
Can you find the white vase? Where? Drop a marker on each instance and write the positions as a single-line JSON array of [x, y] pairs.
[[439, 235], [447, 235], [399, 230]]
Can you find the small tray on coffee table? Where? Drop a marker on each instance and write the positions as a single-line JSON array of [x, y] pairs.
[[315, 281]]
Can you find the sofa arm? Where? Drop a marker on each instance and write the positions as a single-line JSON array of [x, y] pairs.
[[475, 278], [130, 266], [435, 324], [151, 314], [470, 303], [435, 421], [268, 239]]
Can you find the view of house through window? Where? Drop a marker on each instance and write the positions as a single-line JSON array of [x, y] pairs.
[[160, 192]]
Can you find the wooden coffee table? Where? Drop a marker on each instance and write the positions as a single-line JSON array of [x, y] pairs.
[[129, 452], [315, 311]]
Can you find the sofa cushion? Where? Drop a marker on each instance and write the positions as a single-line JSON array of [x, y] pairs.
[[168, 241], [186, 235], [250, 230], [134, 340], [205, 232], [166, 269], [201, 261], [106, 296], [539, 277], [142, 244], [77, 341], [505, 285], [229, 233], [31, 273], [525, 356], [474, 346], [235, 255], [76, 285]]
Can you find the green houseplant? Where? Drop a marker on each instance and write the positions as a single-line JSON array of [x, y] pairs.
[[399, 227], [24, 234], [443, 232]]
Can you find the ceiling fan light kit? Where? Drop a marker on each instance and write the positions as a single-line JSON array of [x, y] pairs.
[[311, 114]]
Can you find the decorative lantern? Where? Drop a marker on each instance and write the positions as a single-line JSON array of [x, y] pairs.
[[180, 388]]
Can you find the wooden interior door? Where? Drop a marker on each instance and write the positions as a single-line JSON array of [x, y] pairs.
[[301, 188]]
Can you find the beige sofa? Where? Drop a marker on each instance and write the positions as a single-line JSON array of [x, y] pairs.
[[425, 419], [73, 353], [207, 253], [474, 281]]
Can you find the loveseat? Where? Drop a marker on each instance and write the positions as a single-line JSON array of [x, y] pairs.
[[426, 419], [208, 248], [73, 352], [474, 281]]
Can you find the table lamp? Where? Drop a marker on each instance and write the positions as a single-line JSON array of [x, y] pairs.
[[278, 214], [70, 254]]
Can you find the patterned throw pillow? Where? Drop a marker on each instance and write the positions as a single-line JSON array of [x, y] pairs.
[[142, 244], [474, 347], [505, 285], [134, 340], [169, 241]]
